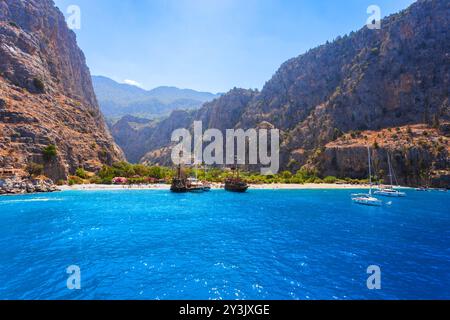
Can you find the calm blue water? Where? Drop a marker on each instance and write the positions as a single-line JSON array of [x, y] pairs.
[[290, 244]]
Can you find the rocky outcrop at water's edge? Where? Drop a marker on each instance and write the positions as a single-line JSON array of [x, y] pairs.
[[21, 186]]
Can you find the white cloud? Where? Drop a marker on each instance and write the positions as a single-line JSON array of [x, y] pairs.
[[132, 83]]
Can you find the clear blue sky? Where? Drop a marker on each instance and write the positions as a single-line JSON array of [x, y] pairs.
[[209, 45]]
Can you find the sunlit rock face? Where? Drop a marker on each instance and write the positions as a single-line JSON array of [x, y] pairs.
[[46, 94], [369, 80]]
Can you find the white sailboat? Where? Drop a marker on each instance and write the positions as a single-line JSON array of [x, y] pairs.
[[194, 185], [389, 191], [367, 199]]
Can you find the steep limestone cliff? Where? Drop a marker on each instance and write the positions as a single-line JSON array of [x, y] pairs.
[[46, 95]]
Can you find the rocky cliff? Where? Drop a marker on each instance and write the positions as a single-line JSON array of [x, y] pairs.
[[418, 154], [368, 81], [46, 95]]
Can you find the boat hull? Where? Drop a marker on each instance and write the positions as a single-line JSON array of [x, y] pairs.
[[372, 202], [367, 203], [179, 186], [241, 189], [196, 189], [390, 194]]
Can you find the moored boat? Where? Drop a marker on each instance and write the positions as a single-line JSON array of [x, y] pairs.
[[179, 182], [194, 185], [182, 184], [235, 183], [178, 186], [367, 199], [389, 191]]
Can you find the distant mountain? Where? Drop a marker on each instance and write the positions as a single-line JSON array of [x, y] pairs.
[[136, 137], [117, 100], [172, 94]]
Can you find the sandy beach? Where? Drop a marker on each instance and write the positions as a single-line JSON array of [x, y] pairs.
[[277, 186]]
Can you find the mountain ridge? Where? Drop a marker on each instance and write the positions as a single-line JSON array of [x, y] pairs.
[[367, 80], [119, 99]]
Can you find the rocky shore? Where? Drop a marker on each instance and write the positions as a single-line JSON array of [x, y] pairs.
[[22, 186]]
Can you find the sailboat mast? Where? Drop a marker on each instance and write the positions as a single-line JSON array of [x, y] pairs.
[[204, 168], [370, 171], [390, 169], [236, 160]]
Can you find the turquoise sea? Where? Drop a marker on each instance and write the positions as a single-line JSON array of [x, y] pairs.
[[265, 244]]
